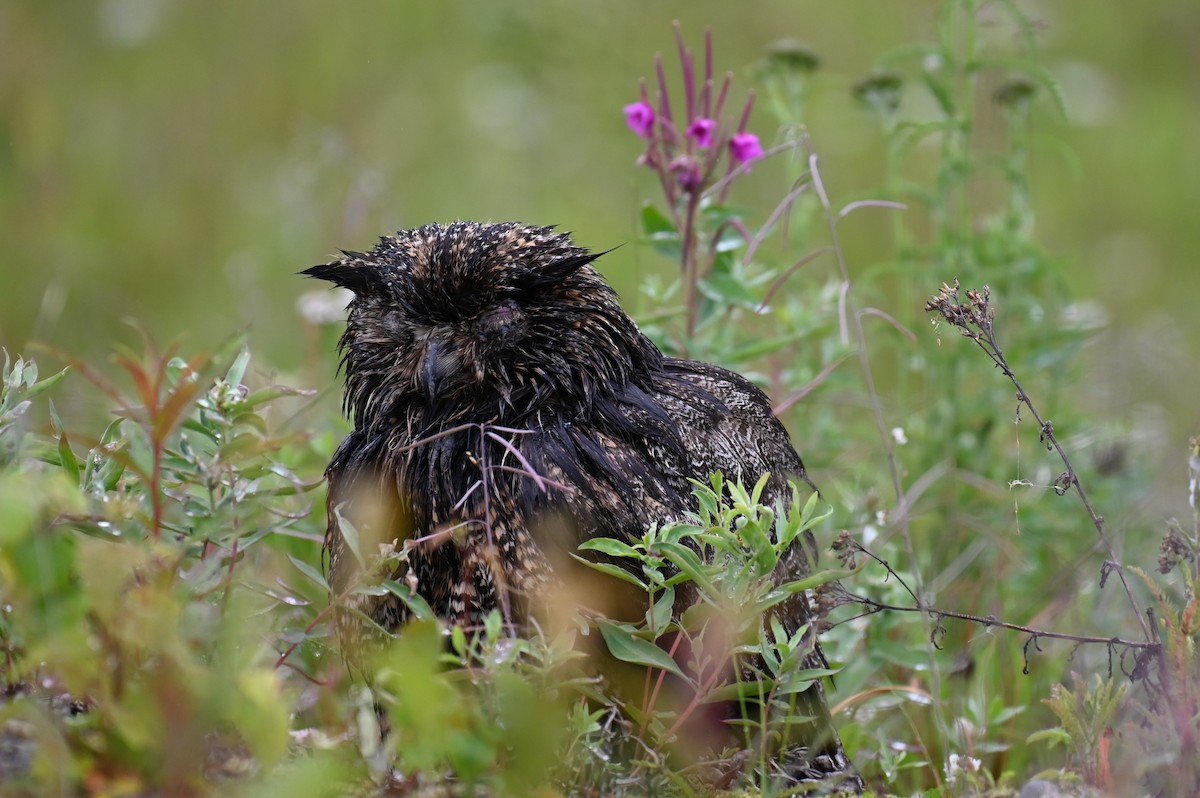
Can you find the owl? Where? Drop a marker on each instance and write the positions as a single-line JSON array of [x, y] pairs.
[[505, 409]]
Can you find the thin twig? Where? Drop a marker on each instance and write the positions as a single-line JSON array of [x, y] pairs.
[[975, 319], [982, 620]]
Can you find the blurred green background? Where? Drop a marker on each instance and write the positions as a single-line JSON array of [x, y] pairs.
[[178, 162]]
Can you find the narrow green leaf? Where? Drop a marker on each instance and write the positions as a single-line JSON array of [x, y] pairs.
[[415, 603], [492, 624], [140, 450], [808, 516], [263, 395], [707, 501], [674, 533], [756, 493], [612, 570], [237, 370], [350, 535], [755, 536], [1053, 736], [627, 647], [46, 384], [312, 573], [658, 617], [791, 682], [688, 562], [818, 579], [609, 546], [66, 457]]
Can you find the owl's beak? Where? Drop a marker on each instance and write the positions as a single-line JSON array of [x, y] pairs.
[[439, 364]]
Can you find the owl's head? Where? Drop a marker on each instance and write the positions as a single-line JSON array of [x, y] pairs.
[[490, 320]]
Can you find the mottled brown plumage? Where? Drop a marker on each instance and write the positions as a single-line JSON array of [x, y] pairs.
[[498, 349]]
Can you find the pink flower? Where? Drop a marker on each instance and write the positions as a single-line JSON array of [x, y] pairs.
[[745, 147], [701, 131], [640, 118]]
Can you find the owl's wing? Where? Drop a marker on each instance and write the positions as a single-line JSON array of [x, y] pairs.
[[727, 425]]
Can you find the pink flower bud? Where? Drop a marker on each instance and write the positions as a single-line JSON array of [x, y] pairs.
[[640, 118], [745, 147], [701, 131]]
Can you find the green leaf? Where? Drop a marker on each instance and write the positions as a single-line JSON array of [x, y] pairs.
[[655, 221], [706, 499], [237, 370], [1055, 736], [688, 562], [262, 395], [140, 450], [45, 384], [765, 555], [756, 493], [658, 617], [800, 680], [762, 347], [612, 570], [458, 640], [660, 231], [818, 579], [309, 571], [416, 604], [370, 590], [66, 457], [627, 647], [726, 289], [350, 535], [678, 531], [753, 689], [610, 546], [810, 507], [492, 625]]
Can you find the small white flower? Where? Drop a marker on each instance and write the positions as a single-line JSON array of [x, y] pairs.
[[898, 436], [956, 764], [324, 307]]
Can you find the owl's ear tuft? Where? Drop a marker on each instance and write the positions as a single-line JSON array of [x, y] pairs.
[[352, 272], [564, 267]]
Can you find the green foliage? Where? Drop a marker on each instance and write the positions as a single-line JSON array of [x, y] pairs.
[[959, 510], [725, 557], [165, 619], [123, 579], [1086, 716], [510, 714], [20, 387], [169, 549]]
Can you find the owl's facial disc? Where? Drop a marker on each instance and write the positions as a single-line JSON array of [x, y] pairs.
[[463, 354]]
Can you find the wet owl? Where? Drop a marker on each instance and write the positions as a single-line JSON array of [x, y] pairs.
[[505, 409]]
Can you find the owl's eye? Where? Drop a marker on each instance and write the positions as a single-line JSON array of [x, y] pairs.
[[501, 320]]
